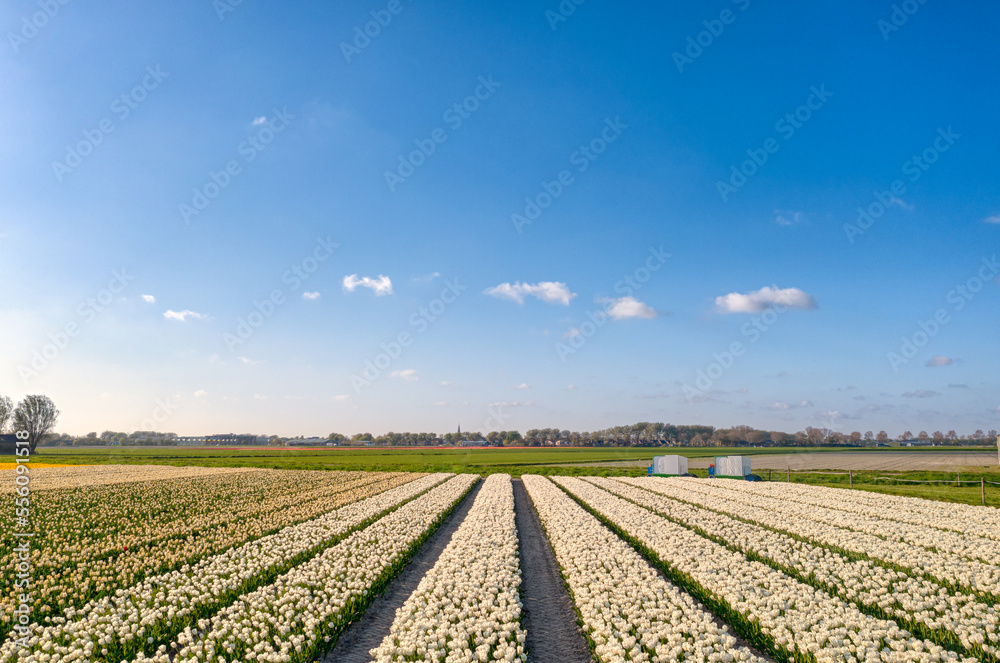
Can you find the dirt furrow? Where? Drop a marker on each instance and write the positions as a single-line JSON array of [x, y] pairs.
[[369, 631], [552, 634]]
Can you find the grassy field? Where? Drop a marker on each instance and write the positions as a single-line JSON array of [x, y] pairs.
[[412, 459], [519, 461]]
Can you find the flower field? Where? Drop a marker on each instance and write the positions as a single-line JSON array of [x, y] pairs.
[[467, 607], [152, 525], [186, 565]]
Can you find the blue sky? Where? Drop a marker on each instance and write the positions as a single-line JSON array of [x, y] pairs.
[[205, 224]]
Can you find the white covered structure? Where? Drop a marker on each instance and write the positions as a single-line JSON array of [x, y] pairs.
[[669, 465], [735, 467]]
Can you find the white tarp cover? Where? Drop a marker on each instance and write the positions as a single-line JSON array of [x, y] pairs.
[[732, 466], [673, 465]]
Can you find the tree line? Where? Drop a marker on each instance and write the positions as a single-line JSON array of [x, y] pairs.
[[38, 414], [662, 434]]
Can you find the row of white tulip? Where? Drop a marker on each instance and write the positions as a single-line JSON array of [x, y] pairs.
[[802, 622], [867, 519], [949, 618], [129, 513], [295, 617], [467, 607], [947, 568], [134, 530], [161, 605], [79, 476], [629, 612], [965, 518]]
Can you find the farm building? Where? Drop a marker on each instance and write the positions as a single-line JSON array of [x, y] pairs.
[[732, 467], [669, 466]]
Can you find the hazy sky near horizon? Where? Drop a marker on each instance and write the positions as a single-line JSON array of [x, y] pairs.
[[298, 218]]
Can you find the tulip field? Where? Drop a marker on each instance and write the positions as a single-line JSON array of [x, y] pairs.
[[226, 565]]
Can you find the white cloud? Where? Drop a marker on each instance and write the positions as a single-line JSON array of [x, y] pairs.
[[790, 406], [551, 292], [183, 315], [992, 219], [409, 374], [920, 393], [446, 383], [257, 121], [381, 285], [629, 307], [201, 393], [426, 278], [310, 295], [571, 387], [150, 299], [441, 403], [342, 398], [835, 415], [251, 362], [707, 397], [938, 360], [512, 404], [523, 385], [788, 217], [571, 333], [763, 299], [259, 397], [898, 202]]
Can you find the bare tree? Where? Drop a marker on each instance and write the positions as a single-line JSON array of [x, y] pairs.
[[6, 412], [37, 415], [816, 436]]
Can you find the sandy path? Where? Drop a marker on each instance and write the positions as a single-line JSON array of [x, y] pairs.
[[552, 635]]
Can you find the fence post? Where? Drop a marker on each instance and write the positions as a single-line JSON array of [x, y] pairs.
[[851, 473], [982, 488], [769, 474], [958, 482], [789, 471]]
